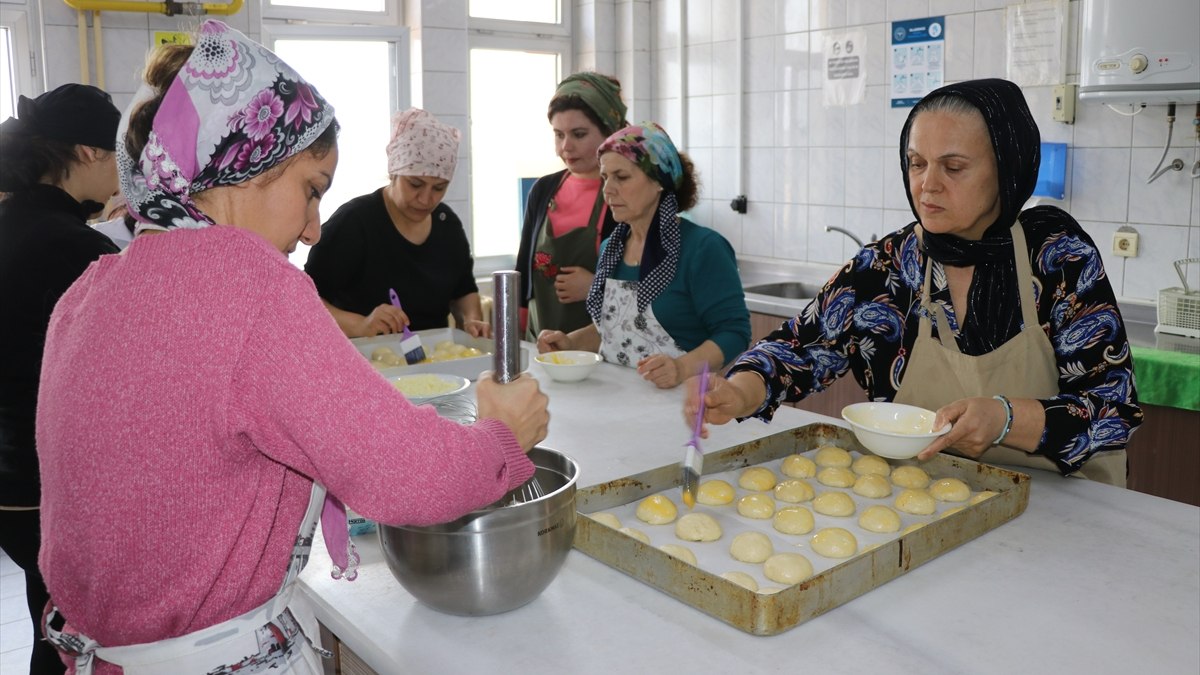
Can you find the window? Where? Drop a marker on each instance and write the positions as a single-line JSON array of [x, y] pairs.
[[537, 11], [16, 61], [363, 97], [380, 12]]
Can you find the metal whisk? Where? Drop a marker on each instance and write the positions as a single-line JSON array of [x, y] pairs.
[[506, 361]]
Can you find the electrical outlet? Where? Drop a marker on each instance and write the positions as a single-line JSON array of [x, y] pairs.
[[1125, 244], [1064, 103]]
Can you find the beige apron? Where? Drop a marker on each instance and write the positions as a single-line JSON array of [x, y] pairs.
[[275, 637], [1024, 367]]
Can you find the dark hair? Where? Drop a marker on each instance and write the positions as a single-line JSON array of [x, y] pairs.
[[575, 102], [688, 192], [28, 159]]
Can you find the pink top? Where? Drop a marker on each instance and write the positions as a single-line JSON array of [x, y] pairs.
[[573, 206], [192, 389]]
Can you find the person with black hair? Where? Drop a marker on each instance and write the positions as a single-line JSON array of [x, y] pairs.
[[58, 169]]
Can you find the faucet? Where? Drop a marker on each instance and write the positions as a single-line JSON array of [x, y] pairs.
[[848, 233]]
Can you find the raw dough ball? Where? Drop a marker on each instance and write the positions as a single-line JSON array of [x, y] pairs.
[[636, 534], [916, 502], [950, 490], [715, 493], [868, 548], [986, 494], [836, 476], [794, 520], [910, 477], [912, 528], [657, 510], [947, 512], [879, 519], [757, 478], [770, 590], [379, 353], [741, 579], [871, 464], [873, 486], [682, 552], [697, 527], [834, 504], [391, 360], [607, 519], [793, 490], [833, 456], [751, 547], [787, 568], [798, 466], [835, 542], [756, 506]]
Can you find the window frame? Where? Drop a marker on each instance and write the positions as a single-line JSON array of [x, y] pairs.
[[390, 16], [26, 66], [529, 29]]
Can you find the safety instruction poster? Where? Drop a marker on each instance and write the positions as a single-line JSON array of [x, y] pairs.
[[918, 59], [845, 81]]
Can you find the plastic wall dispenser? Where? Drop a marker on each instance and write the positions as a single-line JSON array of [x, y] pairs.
[[1143, 52]]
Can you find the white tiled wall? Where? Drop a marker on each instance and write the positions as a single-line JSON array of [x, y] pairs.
[[807, 166]]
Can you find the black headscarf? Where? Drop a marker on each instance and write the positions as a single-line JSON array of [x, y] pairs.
[[993, 300]]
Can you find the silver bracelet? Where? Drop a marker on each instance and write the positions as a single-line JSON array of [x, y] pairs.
[[1008, 411]]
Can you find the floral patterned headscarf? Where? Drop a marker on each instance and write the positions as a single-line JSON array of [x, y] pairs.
[[234, 111], [422, 146], [648, 146]]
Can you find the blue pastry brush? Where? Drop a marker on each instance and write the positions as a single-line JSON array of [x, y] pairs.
[[410, 344]]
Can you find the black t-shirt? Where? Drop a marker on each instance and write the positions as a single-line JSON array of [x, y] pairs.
[[361, 255]]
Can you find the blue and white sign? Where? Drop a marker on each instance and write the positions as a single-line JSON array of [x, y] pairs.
[[918, 59]]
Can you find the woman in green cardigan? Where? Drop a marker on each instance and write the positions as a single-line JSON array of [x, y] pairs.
[[667, 297]]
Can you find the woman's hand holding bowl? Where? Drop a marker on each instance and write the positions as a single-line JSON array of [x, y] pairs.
[[977, 424], [553, 341]]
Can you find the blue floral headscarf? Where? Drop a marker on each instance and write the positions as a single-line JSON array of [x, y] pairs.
[[234, 111]]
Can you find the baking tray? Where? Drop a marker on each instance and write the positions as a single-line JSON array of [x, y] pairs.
[[468, 367], [769, 614]]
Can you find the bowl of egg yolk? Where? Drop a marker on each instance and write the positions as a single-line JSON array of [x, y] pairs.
[[569, 365]]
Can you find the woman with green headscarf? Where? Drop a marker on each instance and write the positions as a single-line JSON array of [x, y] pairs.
[[565, 215]]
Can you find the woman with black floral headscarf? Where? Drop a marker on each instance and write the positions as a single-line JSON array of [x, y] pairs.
[[1000, 319]]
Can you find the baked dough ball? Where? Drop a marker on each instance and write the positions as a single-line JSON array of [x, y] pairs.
[[682, 552], [873, 486], [757, 478], [975, 499], [741, 579], [798, 466], [608, 519], [787, 568], [950, 490], [910, 477], [657, 510], [949, 511], [715, 492], [793, 491], [916, 502], [751, 547], [794, 520], [871, 465], [830, 455], [912, 528], [835, 542], [879, 519], [756, 506], [834, 504], [636, 534], [697, 527], [836, 476]]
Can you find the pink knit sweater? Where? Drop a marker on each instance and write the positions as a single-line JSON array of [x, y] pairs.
[[192, 390]]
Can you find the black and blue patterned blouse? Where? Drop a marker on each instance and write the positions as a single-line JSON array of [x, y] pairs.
[[865, 320]]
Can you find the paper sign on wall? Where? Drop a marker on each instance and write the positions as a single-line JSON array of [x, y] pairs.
[[1037, 49], [845, 73], [167, 37], [918, 59]]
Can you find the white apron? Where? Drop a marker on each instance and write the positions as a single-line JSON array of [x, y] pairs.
[[938, 373], [627, 335], [275, 637]]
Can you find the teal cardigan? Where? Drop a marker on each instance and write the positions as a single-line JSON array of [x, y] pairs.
[[705, 300]]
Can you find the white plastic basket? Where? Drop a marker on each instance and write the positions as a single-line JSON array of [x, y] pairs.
[[1179, 308]]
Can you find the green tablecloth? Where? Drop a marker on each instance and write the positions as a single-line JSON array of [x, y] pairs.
[[1167, 378]]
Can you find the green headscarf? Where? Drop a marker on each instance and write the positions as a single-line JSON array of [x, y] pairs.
[[598, 93]]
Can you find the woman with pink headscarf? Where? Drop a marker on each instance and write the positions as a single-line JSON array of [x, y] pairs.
[[401, 236]]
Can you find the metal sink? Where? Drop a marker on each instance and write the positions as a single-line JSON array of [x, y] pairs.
[[792, 290]]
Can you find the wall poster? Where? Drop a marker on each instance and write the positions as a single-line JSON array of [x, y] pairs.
[[918, 59]]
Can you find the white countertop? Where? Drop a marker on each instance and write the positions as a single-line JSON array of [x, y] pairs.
[[1090, 579]]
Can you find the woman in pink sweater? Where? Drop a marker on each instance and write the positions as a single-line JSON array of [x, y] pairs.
[[195, 389]]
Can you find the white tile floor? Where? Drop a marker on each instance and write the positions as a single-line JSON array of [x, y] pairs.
[[16, 634]]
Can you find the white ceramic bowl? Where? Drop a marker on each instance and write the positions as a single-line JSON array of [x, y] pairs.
[[568, 366], [892, 430], [422, 387]]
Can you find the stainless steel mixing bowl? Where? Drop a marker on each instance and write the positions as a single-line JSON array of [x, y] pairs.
[[495, 559]]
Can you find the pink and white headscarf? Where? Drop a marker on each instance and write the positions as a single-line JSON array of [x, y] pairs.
[[234, 111], [422, 146]]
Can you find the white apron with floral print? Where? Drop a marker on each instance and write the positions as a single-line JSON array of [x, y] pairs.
[[627, 335]]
